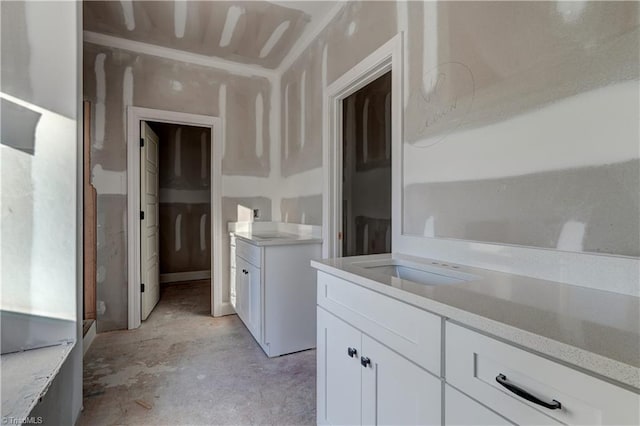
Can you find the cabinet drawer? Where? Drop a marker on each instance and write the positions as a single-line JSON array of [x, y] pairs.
[[459, 409], [412, 332], [474, 361], [248, 252]]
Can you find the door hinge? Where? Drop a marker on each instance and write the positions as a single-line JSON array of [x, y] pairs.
[[141, 215], [141, 288], [141, 142]]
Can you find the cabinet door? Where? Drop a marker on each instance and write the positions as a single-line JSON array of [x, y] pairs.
[[396, 391], [254, 299], [242, 292], [339, 374]]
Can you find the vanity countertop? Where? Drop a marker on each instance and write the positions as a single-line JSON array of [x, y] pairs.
[[275, 238], [594, 330]]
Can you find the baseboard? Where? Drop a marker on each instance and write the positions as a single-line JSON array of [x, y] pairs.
[[184, 276], [87, 340]]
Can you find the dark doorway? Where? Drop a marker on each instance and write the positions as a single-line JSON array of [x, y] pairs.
[[366, 169]]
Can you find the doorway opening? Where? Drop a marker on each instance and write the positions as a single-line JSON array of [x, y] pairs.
[[175, 188], [366, 169], [362, 156], [145, 210]]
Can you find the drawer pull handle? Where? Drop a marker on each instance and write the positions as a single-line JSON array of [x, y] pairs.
[[352, 352], [365, 361], [502, 380]]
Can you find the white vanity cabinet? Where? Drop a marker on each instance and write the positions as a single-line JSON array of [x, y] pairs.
[[273, 293], [362, 378], [380, 361], [249, 296]]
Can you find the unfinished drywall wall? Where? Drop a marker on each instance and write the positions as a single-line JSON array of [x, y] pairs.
[[39, 195], [544, 126], [185, 197], [252, 32], [38, 163], [302, 209], [115, 79], [352, 35], [501, 98], [359, 29]]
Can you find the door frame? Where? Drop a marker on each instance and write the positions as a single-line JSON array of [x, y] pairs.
[[134, 116], [387, 57]]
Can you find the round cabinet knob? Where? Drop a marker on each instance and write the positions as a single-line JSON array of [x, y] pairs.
[[365, 361], [352, 352]]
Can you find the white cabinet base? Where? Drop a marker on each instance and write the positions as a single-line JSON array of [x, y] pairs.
[[274, 294], [362, 381]]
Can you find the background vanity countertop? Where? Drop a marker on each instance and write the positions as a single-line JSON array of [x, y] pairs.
[[261, 239], [276, 233], [594, 330]]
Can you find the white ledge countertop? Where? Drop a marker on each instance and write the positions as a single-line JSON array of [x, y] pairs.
[[593, 330], [26, 377], [276, 233], [276, 239]]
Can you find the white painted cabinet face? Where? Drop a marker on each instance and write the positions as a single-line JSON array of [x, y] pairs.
[[249, 296], [531, 390], [254, 299], [242, 289], [361, 381], [461, 410], [339, 373], [395, 391]]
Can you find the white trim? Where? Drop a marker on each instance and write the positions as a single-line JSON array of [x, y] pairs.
[[308, 37], [174, 277], [134, 116], [385, 58], [245, 70]]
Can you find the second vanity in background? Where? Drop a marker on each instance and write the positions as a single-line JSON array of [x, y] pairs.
[[272, 284]]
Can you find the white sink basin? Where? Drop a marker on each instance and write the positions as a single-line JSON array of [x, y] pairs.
[[417, 273]]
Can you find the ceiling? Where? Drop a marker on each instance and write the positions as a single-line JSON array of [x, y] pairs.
[[247, 32]]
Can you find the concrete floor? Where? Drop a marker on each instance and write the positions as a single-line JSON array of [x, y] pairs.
[[186, 367]]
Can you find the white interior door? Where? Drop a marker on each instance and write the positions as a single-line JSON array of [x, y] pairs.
[[149, 238]]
